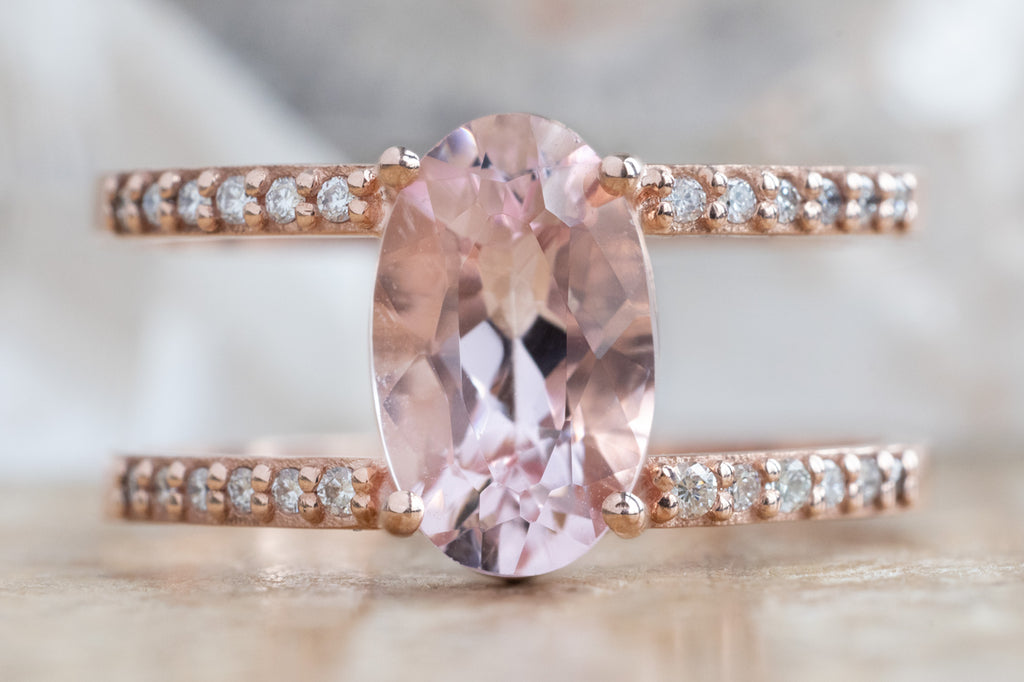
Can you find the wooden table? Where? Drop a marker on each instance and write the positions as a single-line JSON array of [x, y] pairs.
[[936, 594]]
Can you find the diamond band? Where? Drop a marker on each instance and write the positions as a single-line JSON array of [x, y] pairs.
[[349, 200], [349, 491]]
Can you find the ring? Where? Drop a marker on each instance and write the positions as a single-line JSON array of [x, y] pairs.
[[514, 345]]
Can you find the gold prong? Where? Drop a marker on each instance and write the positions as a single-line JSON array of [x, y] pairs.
[[769, 503], [142, 473], [135, 186], [885, 218], [769, 184], [911, 466], [130, 218], [811, 217], [402, 513], [175, 505], [887, 465], [254, 215], [363, 212], [657, 180], [261, 477], [261, 506], [207, 182], [665, 477], [364, 510], [855, 184], [217, 476], [305, 215], [363, 479], [398, 167], [167, 216], [140, 503], [817, 503], [308, 478], [310, 507], [767, 216], [726, 474], [169, 182], [850, 464], [770, 469], [813, 185], [888, 185], [619, 174], [661, 216], [909, 215], [717, 215], [852, 216], [665, 508], [363, 182], [625, 514], [216, 504], [719, 183], [206, 219], [816, 467], [722, 511], [911, 461], [176, 474], [308, 182], [256, 181]]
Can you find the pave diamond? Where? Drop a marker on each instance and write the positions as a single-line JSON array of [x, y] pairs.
[[231, 200], [335, 490], [163, 488], [189, 201], [697, 489], [739, 200], [746, 487], [900, 197], [287, 491], [688, 199], [870, 480], [196, 488], [868, 200], [831, 202], [333, 199], [834, 483], [513, 348], [151, 204], [794, 485], [787, 202], [282, 198], [240, 489]]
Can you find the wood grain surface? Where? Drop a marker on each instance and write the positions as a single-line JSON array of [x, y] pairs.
[[934, 594]]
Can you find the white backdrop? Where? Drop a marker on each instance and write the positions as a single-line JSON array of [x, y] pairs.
[[106, 344]]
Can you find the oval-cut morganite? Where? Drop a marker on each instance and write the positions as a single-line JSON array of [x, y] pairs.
[[513, 350]]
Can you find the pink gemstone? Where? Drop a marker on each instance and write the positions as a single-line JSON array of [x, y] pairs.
[[512, 345]]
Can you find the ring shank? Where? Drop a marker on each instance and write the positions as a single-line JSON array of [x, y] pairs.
[[343, 482]]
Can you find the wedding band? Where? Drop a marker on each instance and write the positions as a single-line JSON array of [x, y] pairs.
[[514, 345]]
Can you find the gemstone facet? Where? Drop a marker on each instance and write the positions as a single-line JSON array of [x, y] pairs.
[[335, 490], [333, 199], [740, 201], [834, 483], [831, 202], [787, 202], [688, 199], [513, 345], [151, 204], [282, 198], [870, 480], [696, 490], [189, 201], [231, 200], [794, 485], [746, 487], [196, 488], [240, 489], [287, 491]]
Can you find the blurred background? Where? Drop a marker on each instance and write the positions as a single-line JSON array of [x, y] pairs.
[[109, 345]]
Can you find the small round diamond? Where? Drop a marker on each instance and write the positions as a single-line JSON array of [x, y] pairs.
[[870, 480], [151, 204], [688, 199], [834, 483], [740, 201], [333, 198], [868, 200], [794, 485], [287, 491], [900, 197], [696, 490], [196, 488], [746, 488], [189, 201], [897, 474], [787, 202], [231, 200], [335, 490], [240, 489], [163, 488], [831, 202], [282, 198]]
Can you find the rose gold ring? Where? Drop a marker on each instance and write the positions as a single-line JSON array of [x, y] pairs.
[[514, 345]]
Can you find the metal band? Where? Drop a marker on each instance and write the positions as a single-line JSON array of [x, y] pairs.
[[344, 484], [267, 201]]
